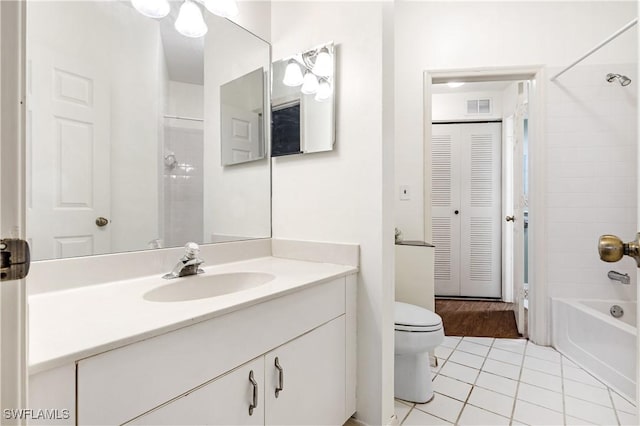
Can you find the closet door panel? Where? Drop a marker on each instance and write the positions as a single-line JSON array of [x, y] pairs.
[[480, 219], [445, 203]]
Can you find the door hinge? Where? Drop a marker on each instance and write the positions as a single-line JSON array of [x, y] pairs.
[[15, 259]]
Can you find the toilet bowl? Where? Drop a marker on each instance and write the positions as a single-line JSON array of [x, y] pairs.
[[417, 332]]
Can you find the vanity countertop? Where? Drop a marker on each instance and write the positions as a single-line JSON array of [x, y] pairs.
[[66, 326]]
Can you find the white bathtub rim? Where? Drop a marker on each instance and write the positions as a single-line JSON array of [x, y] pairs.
[[578, 303]]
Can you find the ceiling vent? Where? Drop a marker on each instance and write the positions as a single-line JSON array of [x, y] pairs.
[[478, 106]]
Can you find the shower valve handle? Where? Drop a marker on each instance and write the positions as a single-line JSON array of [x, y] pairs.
[[612, 249]]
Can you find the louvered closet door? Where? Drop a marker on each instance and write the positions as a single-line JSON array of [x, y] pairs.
[[480, 222], [466, 196], [445, 174]]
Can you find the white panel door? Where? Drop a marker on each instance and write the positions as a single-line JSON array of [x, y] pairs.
[[466, 203], [69, 155], [445, 204], [313, 378], [480, 212], [519, 204], [241, 131]]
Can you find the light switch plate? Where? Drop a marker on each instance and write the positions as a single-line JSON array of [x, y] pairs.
[[405, 194]]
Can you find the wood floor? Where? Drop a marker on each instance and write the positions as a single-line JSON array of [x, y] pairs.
[[477, 318]]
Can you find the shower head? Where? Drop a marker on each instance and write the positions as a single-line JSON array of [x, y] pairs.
[[622, 79]]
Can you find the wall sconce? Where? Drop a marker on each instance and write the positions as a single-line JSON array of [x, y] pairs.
[[190, 22], [318, 67]]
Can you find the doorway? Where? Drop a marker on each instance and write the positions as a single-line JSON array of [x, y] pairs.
[[479, 102]]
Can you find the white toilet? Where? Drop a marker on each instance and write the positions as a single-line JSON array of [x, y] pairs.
[[417, 332]]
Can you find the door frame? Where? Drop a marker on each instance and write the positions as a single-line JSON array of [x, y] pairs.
[[13, 299], [538, 314]]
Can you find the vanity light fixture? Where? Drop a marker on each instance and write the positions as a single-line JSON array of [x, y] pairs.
[[324, 91], [190, 22], [323, 66], [224, 8], [152, 8], [455, 84], [293, 74], [310, 84], [317, 66]]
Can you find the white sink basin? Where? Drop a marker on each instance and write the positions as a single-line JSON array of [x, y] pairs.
[[205, 286]]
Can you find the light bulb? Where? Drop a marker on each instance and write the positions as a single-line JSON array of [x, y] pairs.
[[292, 75], [224, 8], [324, 91], [324, 64], [190, 22], [310, 84], [454, 84], [152, 8]]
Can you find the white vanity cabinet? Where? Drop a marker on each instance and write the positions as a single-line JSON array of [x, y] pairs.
[[200, 374]]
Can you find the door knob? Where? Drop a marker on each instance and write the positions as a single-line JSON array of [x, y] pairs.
[[510, 218], [102, 221], [612, 249]]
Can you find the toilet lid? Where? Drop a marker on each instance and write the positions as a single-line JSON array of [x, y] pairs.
[[415, 318]]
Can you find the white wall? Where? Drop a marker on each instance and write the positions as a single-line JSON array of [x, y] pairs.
[[184, 100], [453, 106], [459, 35], [345, 195]]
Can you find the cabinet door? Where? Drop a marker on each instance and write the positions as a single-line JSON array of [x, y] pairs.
[[313, 378], [223, 401]]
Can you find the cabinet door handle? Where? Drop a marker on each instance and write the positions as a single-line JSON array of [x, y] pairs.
[[280, 377], [254, 403]]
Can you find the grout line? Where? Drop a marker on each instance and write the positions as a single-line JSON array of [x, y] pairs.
[[615, 410], [564, 398], [407, 415], [515, 396]]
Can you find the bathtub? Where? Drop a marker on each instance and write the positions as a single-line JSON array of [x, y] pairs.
[[585, 332]]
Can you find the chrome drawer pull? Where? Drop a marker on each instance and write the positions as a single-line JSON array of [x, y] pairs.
[[255, 393], [280, 377]]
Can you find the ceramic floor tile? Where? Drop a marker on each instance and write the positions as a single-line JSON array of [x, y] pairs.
[[501, 369], [543, 380], [420, 418], [505, 356], [627, 419], [591, 412], [452, 388], [572, 421], [460, 372], [536, 415], [545, 366], [491, 401], [442, 406], [496, 383], [443, 352], [464, 358], [486, 341], [450, 341], [542, 397], [402, 409], [566, 362], [588, 393], [475, 416], [511, 345], [579, 375], [622, 404], [473, 348], [543, 352]]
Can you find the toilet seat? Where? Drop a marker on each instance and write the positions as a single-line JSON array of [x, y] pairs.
[[411, 318]]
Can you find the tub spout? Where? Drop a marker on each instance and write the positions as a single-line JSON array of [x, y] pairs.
[[617, 276]]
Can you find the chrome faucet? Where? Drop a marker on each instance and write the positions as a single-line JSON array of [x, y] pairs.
[[189, 264], [617, 276]]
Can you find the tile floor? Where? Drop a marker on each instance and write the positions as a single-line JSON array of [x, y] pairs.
[[486, 381]]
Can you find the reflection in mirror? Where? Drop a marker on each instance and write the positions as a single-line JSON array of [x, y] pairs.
[[123, 124], [303, 102], [242, 106]]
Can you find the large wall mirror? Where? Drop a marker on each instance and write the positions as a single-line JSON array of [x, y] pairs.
[[303, 102], [126, 132]]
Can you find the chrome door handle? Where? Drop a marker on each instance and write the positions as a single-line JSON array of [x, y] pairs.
[[15, 259], [254, 403], [280, 386], [510, 218]]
